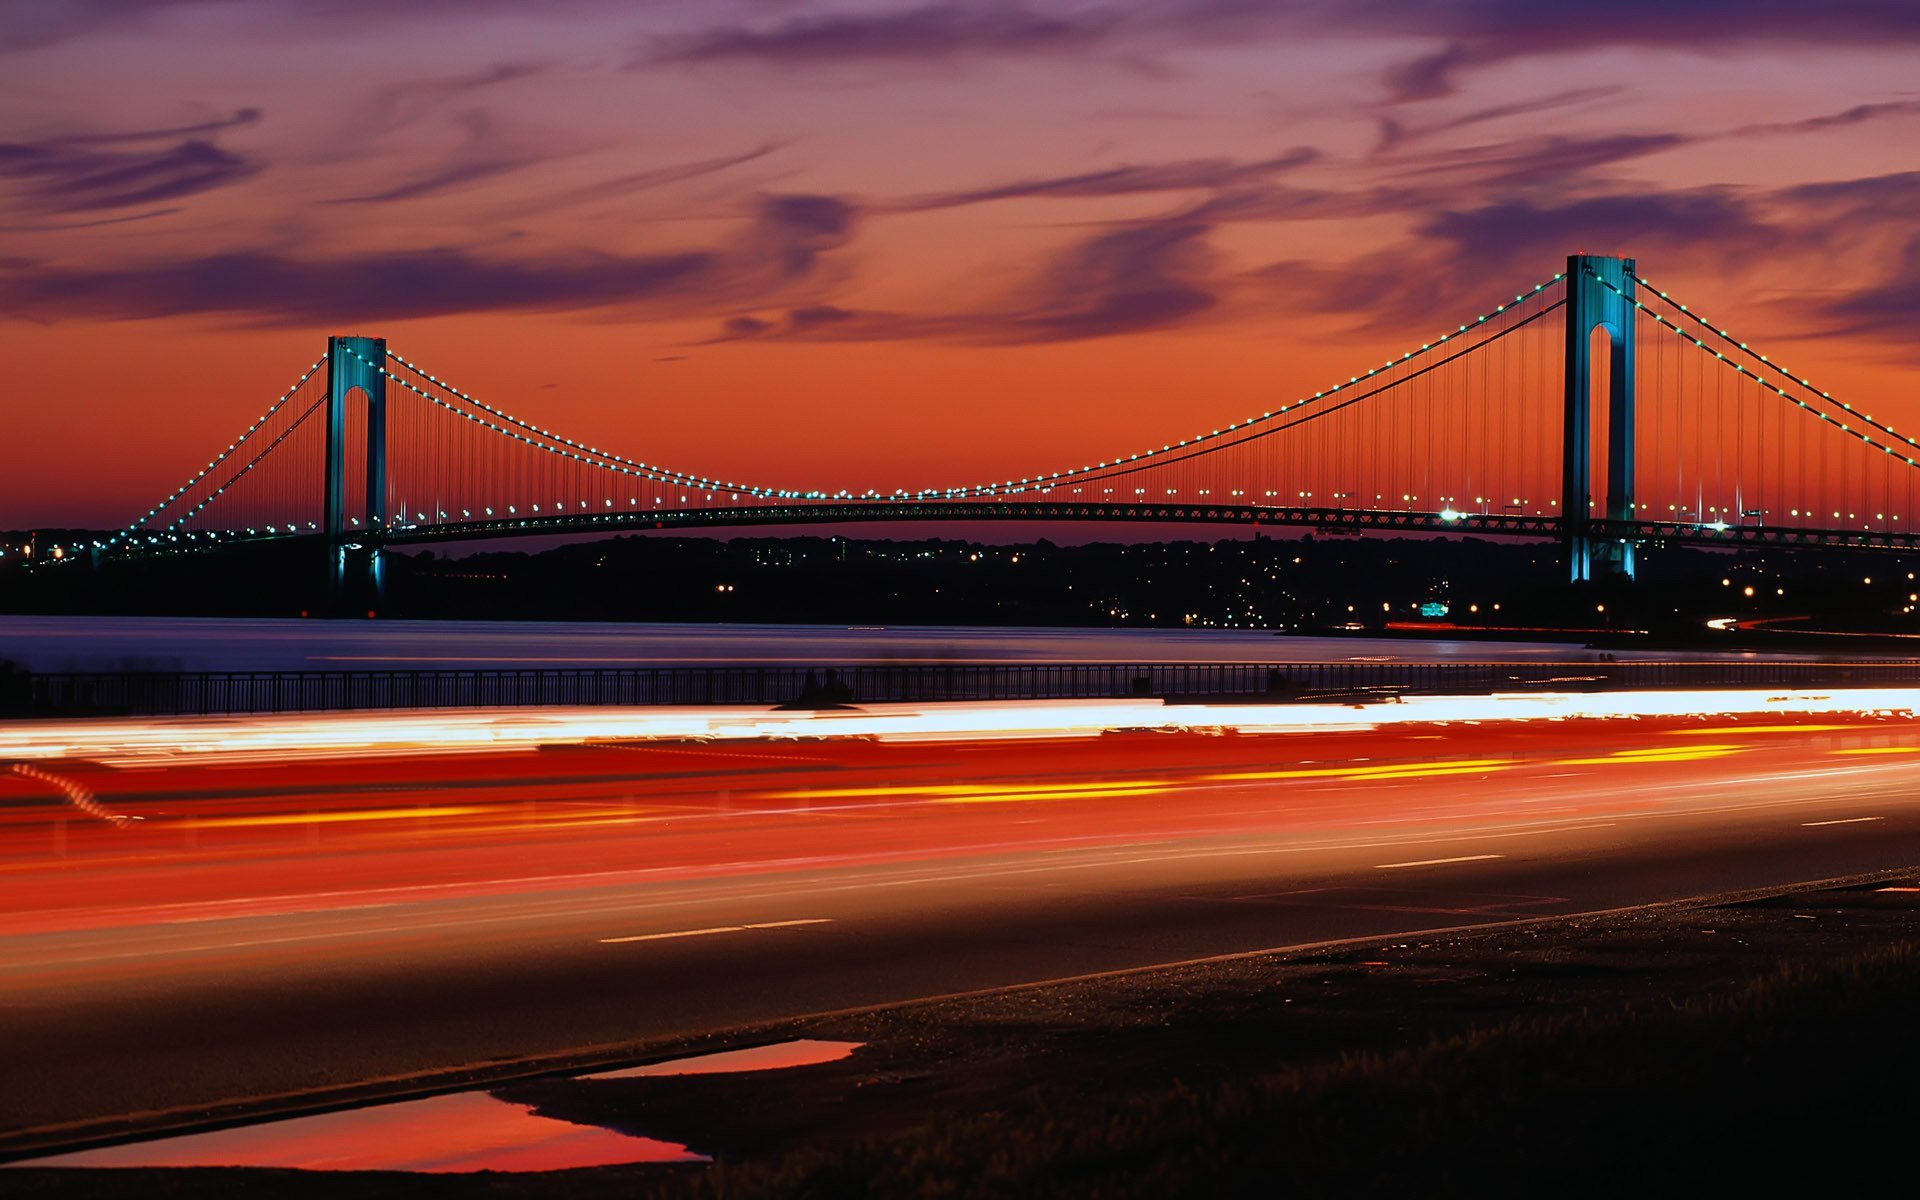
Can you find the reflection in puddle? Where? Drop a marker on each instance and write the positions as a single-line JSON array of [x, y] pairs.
[[467, 1131], [804, 1052]]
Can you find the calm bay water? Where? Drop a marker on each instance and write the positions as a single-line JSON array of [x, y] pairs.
[[218, 644]]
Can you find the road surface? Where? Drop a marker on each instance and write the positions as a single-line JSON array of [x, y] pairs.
[[183, 933]]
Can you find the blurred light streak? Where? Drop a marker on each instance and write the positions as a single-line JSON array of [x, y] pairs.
[[1723, 730], [1653, 755], [134, 741], [329, 818], [965, 791], [1375, 771]]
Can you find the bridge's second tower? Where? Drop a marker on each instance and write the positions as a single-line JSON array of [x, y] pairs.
[[1599, 296], [354, 569]]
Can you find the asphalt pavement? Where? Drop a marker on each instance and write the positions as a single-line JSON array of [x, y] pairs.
[[184, 935]]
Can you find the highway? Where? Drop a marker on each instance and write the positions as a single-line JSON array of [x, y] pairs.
[[181, 931]]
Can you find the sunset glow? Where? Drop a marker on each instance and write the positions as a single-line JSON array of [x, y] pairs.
[[902, 245]]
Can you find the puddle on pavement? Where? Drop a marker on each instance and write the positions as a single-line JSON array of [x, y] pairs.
[[463, 1131], [466, 1131], [803, 1052]]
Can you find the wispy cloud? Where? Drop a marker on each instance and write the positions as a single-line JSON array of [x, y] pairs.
[[634, 182], [1889, 307], [1859, 114], [781, 252], [1477, 33], [942, 30], [117, 170], [1395, 132], [1199, 174], [1140, 277], [486, 151]]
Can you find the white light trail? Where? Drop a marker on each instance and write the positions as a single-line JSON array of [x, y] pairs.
[[131, 741]]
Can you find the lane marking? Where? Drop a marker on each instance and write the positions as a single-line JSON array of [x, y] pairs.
[[682, 933], [1435, 862], [1841, 821]]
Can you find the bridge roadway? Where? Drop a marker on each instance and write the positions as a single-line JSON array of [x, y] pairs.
[[1335, 520], [183, 932]]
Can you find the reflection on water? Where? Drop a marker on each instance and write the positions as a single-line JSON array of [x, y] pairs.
[[802, 1052], [60, 643], [467, 1131]]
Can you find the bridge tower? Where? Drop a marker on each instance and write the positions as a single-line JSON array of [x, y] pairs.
[[1591, 305], [355, 573]]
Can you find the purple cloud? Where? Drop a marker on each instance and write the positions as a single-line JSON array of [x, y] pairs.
[[486, 153], [1859, 114], [1528, 161], [1140, 277], [782, 249], [1147, 276], [941, 30], [1890, 308], [1483, 32], [653, 177], [1185, 175], [357, 288], [60, 176]]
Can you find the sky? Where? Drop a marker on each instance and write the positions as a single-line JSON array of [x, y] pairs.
[[845, 244]]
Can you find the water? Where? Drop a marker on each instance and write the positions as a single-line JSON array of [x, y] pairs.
[[801, 1052], [463, 1131], [42, 643], [467, 1131]]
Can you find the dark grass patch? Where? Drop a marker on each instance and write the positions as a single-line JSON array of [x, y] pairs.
[[1801, 1080]]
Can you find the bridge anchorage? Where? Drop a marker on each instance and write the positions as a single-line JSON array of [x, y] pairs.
[[1592, 408]]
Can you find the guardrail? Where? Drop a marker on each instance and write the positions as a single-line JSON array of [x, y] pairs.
[[221, 693]]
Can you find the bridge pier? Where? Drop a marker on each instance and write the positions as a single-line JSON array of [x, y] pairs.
[[356, 576], [1591, 305]]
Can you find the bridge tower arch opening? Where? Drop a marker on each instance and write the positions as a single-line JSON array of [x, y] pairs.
[[1599, 301], [356, 576]]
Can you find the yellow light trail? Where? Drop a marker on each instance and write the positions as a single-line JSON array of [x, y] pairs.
[[934, 791], [1724, 730], [505, 817], [1653, 754], [1458, 766], [1080, 793], [330, 818]]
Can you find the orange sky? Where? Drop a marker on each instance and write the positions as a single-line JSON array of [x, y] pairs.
[[891, 246]]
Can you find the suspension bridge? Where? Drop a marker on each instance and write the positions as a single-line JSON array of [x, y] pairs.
[[1593, 408]]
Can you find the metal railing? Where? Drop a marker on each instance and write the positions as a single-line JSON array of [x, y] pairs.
[[216, 693]]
